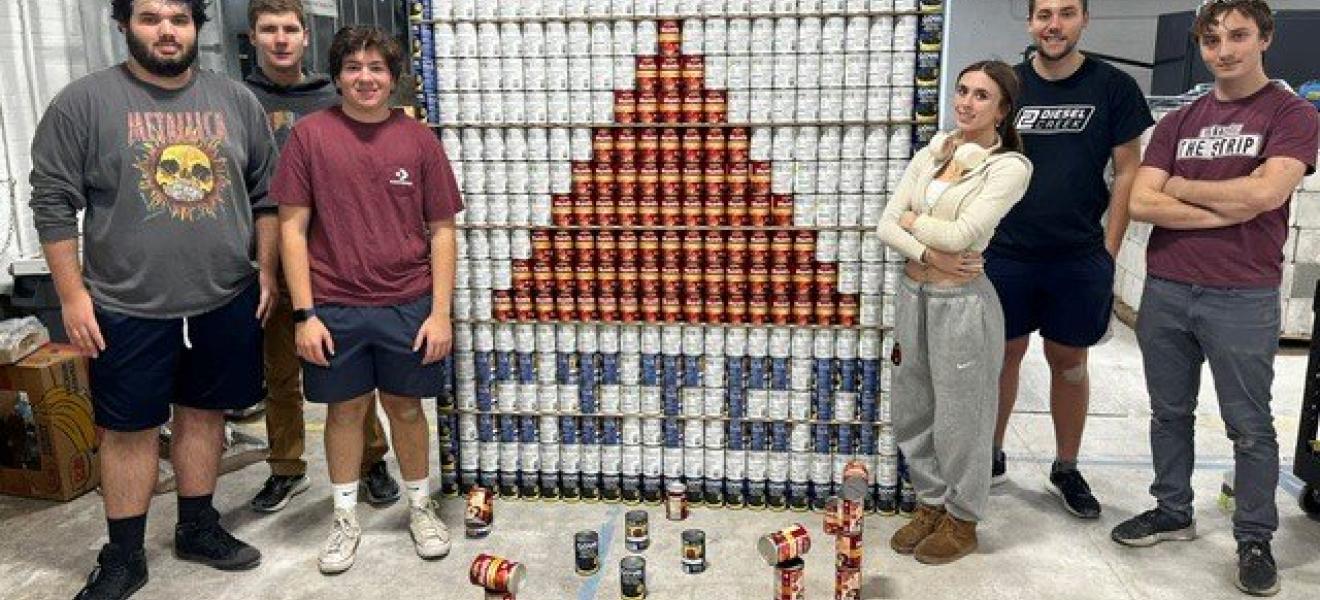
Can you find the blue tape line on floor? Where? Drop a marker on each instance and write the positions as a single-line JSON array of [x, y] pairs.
[[1288, 482], [606, 530]]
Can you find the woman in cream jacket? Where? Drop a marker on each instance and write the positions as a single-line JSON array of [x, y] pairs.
[[949, 326]]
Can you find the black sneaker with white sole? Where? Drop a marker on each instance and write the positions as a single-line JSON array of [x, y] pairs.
[[380, 485], [118, 575], [206, 542], [1072, 489], [998, 468], [1152, 527], [1257, 574], [277, 492]]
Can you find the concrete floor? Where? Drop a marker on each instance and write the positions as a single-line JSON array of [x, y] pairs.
[[1029, 547]]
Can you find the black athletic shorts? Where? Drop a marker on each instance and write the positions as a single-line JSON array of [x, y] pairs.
[[373, 351]]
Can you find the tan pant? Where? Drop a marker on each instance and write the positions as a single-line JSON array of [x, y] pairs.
[[284, 401]]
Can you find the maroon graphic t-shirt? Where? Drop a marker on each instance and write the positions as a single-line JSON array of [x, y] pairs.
[[373, 188], [1212, 140]]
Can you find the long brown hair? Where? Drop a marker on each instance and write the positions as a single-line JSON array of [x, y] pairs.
[[1010, 89]]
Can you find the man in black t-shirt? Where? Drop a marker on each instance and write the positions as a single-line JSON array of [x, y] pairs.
[[1051, 260]]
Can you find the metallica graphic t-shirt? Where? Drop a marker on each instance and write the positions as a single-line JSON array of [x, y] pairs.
[[1210, 140], [1070, 128], [167, 180]]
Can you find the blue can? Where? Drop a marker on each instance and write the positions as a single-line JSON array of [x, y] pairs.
[[824, 373], [503, 366], [671, 371], [870, 372], [824, 405], [691, 371], [756, 375], [821, 436], [868, 410], [866, 440], [756, 436], [483, 364], [609, 369], [737, 405], [526, 367], [845, 445], [485, 396], [587, 402], [779, 437], [848, 376], [508, 429], [611, 433], [673, 431], [779, 378], [568, 430], [564, 368], [589, 432], [735, 368], [672, 402], [734, 436], [650, 369], [485, 428], [527, 430]]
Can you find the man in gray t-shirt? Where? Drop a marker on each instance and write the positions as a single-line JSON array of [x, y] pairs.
[[169, 166]]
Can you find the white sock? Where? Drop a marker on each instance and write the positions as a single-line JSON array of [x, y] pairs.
[[419, 492], [345, 495]]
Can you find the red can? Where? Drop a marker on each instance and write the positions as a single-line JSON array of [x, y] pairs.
[[522, 277], [671, 151], [804, 282], [713, 282], [563, 246], [542, 248], [758, 210], [739, 145], [625, 106], [694, 309], [781, 248], [781, 310], [648, 104], [607, 247], [694, 76], [693, 248], [608, 308], [584, 210], [671, 281], [500, 596], [781, 281], [497, 574], [648, 149], [694, 106], [827, 275], [736, 280], [758, 248], [628, 280], [648, 78], [546, 307], [669, 36], [671, 109], [717, 147], [501, 303], [789, 581], [648, 211], [629, 250], [584, 248], [848, 310], [758, 281], [584, 281], [625, 145], [694, 280], [737, 176], [629, 309], [804, 311], [583, 178], [480, 513], [524, 308], [760, 179], [671, 181], [781, 211], [565, 306], [717, 106], [650, 309], [561, 211], [848, 583], [606, 213], [693, 147], [649, 247], [671, 243], [587, 309], [758, 311], [804, 249], [648, 179], [737, 246], [715, 309], [735, 310], [784, 545], [602, 144], [627, 210], [845, 518], [826, 311], [713, 246], [543, 278], [671, 310]]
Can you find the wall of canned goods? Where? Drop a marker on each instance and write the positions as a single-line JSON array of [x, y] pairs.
[[667, 266]]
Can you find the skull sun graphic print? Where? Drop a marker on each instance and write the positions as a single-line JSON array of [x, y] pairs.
[[167, 181], [184, 171]]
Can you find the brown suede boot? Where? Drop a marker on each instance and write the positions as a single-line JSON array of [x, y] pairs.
[[952, 540], [924, 521]]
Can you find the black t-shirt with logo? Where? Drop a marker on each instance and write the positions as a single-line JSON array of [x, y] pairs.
[[1070, 128]]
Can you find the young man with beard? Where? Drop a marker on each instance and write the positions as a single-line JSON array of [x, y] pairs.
[[288, 93], [1051, 260], [367, 203], [169, 165], [1216, 182]]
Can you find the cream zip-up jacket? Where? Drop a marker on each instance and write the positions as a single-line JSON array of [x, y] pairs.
[[965, 215]]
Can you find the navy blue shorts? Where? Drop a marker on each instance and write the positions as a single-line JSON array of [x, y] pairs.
[[1068, 300], [147, 366], [373, 351]]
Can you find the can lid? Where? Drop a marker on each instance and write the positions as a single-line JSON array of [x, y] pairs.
[[676, 488], [636, 516], [632, 563], [587, 535], [694, 536]]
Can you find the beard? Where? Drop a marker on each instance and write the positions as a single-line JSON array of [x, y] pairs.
[[1067, 49], [159, 67]]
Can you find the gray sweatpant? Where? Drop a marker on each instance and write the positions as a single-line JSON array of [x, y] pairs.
[[1179, 327], [946, 390]]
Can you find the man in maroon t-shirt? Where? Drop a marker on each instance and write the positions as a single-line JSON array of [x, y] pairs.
[[367, 204], [1216, 182]]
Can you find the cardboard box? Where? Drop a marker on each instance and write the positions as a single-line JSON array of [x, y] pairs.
[[49, 448]]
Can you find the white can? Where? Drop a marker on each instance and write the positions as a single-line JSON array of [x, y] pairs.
[[547, 396], [652, 400], [673, 463], [735, 465], [651, 339], [694, 463], [653, 433], [611, 397], [630, 399], [868, 346], [778, 407], [646, 38], [693, 37], [712, 372], [713, 402], [757, 465], [758, 404], [548, 427], [694, 433], [799, 406], [870, 312], [630, 460], [777, 467], [630, 369], [652, 460], [671, 340], [693, 401], [762, 36], [569, 398], [800, 374], [631, 431], [735, 341], [758, 342]]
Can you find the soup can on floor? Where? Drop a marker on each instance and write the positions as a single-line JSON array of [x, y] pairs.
[[632, 578], [789, 583], [586, 552], [676, 504], [694, 551], [637, 531], [784, 545], [480, 513], [497, 574]]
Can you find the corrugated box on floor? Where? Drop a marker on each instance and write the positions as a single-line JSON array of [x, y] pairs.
[[49, 442]]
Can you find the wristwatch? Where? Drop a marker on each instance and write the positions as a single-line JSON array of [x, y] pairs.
[[301, 315]]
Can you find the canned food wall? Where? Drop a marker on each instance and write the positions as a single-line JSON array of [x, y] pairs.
[[666, 269]]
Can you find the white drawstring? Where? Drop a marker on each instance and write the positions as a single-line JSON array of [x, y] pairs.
[[187, 342]]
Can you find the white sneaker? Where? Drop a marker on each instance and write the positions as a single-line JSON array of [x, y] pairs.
[[430, 535], [340, 549]]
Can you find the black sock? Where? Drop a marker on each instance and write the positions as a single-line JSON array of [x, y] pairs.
[[1061, 465], [128, 533], [192, 510]]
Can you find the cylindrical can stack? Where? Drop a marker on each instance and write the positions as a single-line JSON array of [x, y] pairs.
[[729, 128], [784, 550], [844, 519]]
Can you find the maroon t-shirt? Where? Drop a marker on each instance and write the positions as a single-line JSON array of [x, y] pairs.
[[373, 188], [1212, 140]]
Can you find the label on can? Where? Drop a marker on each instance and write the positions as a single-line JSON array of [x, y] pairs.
[[586, 550]]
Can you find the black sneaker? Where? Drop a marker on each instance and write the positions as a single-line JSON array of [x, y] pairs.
[[208, 543], [117, 575], [381, 487], [1257, 575], [277, 492], [998, 468], [1152, 527], [1073, 490]]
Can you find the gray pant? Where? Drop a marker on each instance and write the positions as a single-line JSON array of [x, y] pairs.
[[946, 390], [1180, 327]]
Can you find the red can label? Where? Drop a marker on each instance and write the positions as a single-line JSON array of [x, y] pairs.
[[781, 212], [717, 106], [648, 78], [625, 106], [694, 106], [648, 103], [670, 38], [784, 545], [648, 148], [758, 210]]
